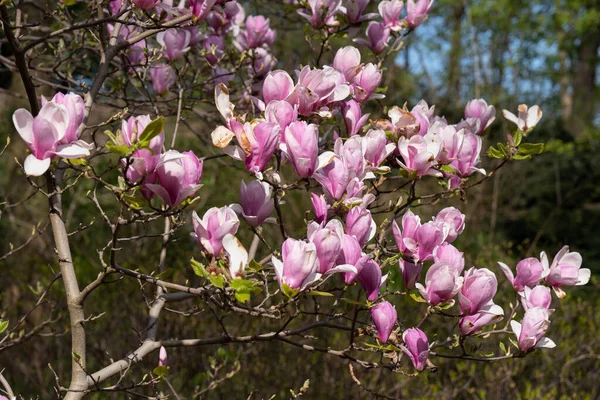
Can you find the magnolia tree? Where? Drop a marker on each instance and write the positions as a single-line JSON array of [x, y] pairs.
[[301, 132]]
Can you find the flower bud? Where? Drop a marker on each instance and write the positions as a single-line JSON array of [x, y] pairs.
[[256, 202], [416, 347], [530, 333], [163, 77], [479, 288], [299, 267], [384, 316], [178, 175], [442, 282], [302, 147], [539, 296], [162, 357]]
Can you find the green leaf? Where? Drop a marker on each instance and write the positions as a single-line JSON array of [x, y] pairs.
[[242, 297], [350, 301], [445, 306], [502, 149], [531, 148], [494, 153], [167, 273], [218, 281], [120, 150], [243, 289], [199, 268], [152, 130], [3, 325], [111, 136], [448, 169], [518, 137], [134, 202], [417, 298], [503, 348], [318, 293], [161, 371], [254, 266], [519, 157], [288, 291]]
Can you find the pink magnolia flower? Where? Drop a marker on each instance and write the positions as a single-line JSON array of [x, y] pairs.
[[539, 296], [411, 272], [281, 113], [452, 141], [76, 110], [442, 283], [377, 147], [355, 11], [322, 12], [257, 33], [178, 175], [318, 87], [116, 6], [334, 178], [353, 117], [201, 8], [176, 42], [370, 279], [163, 360], [328, 241], [566, 271], [320, 207], [360, 224], [468, 156], [145, 4], [378, 36], [212, 228], [453, 219], [478, 111], [527, 117], [530, 334], [214, 46], [384, 316], [366, 82], [347, 62], [163, 77], [390, 11], [419, 155], [474, 323], [416, 347], [406, 238], [142, 162], [135, 53], [45, 137], [300, 265], [416, 12], [256, 202], [302, 147], [263, 63], [278, 85], [530, 272], [449, 254], [258, 143], [478, 290]]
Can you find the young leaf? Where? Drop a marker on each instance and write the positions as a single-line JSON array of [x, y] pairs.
[[161, 371], [199, 269], [518, 137], [218, 281], [531, 148], [288, 291], [494, 153], [152, 130], [318, 293], [254, 266], [123, 151], [3, 326], [417, 298]]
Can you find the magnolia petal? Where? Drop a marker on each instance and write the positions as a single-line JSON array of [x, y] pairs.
[[221, 136], [516, 328], [545, 343], [36, 167], [72, 150], [238, 256], [584, 276], [23, 121], [507, 271]]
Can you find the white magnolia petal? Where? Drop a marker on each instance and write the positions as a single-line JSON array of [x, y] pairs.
[[36, 167]]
